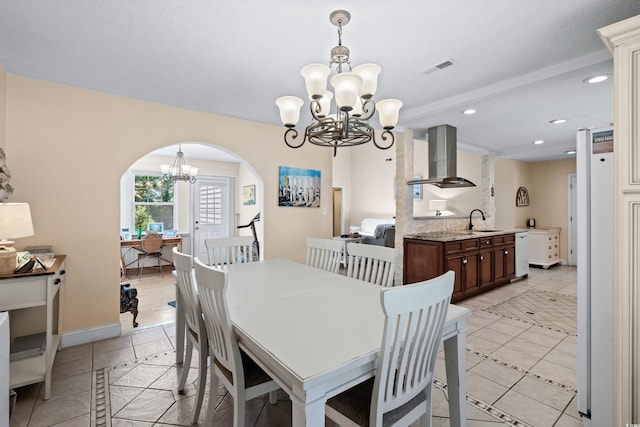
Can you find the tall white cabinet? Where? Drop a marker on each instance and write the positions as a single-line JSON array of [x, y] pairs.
[[623, 40]]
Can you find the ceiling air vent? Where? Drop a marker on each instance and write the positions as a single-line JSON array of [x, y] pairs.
[[441, 66]]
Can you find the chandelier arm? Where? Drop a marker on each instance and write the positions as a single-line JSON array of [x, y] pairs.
[[384, 136], [315, 108], [290, 135], [366, 113]]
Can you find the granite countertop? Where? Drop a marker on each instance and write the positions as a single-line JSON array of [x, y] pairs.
[[450, 236]]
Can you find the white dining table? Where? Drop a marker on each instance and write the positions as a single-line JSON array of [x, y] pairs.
[[318, 333]]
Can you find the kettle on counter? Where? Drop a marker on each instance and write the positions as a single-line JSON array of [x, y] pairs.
[[531, 223]]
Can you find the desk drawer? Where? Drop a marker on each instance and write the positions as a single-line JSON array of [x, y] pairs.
[[23, 293]]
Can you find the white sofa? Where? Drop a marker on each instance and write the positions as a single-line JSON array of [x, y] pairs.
[[376, 231]]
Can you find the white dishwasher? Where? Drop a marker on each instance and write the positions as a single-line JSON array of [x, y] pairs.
[[522, 254]]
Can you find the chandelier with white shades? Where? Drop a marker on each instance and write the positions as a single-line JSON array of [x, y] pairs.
[[179, 170], [348, 124]]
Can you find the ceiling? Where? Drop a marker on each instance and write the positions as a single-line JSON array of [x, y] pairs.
[[519, 63]]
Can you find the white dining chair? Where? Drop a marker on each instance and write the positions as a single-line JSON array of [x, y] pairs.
[[240, 375], [196, 334], [229, 250], [371, 263], [324, 254], [400, 392]]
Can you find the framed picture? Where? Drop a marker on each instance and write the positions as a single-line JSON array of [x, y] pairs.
[[157, 227], [522, 197], [299, 187], [417, 190], [170, 233], [125, 234], [249, 194]]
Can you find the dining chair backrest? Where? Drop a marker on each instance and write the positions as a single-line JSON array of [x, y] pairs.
[[185, 281], [324, 254], [196, 331], [371, 263], [414, 319], [212, 288], [151, 243], [229, 250]]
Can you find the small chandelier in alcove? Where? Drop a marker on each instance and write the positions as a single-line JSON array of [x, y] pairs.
[[179, 170]]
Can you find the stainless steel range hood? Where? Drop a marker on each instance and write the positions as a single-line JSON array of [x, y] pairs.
[[442, 159]]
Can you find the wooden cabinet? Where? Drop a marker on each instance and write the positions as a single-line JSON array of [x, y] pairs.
[[485, 268], [462, 258], [426, 260], [23, 291], [479, 263], [504, 260], [544, 246]]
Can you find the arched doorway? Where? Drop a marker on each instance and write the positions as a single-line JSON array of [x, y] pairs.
[[210, 207]]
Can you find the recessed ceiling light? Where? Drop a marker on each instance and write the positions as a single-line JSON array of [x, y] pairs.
[[570, 152], [538, 142], [558, 121], [595, 79], [469, 111]]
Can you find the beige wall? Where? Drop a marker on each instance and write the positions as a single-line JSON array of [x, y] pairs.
[[67, 149], [372, 183], [247, 212], [342, 178], [509, 176], [549, 197]]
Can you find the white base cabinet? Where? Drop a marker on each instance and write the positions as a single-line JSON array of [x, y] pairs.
[[23, 291], [544, 246]]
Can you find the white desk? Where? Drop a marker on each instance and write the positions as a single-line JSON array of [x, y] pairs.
[[318, 333]]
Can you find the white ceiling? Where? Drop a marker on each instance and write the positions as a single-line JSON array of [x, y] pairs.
[[519, 63]]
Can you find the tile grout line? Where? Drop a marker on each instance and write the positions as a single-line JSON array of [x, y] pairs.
[[100, 403], [491, 308], [486, 408], [526, 372]]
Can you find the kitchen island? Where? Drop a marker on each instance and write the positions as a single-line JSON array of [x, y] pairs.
[[481, 259]]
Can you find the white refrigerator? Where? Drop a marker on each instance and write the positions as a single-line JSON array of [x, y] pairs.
[[594, 167]]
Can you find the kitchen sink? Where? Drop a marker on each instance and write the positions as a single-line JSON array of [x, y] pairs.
[[486, 231]]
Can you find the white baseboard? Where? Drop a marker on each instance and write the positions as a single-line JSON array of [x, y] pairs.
[[83, 336]]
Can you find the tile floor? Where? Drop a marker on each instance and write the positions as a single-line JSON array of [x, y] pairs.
[[521, 367]]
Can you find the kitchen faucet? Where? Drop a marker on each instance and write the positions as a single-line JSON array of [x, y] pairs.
[[481, 213]]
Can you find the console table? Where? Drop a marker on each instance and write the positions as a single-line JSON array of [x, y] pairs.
[[39, 288], [136, 244]]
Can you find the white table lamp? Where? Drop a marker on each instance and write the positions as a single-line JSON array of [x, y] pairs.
[[438, 206], [15, 222]]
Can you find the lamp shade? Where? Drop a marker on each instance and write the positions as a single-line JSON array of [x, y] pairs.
[[347, 88], [437, 205], [15, 220], [388, 111], [369, 74], [289, 109], [315, 78]]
